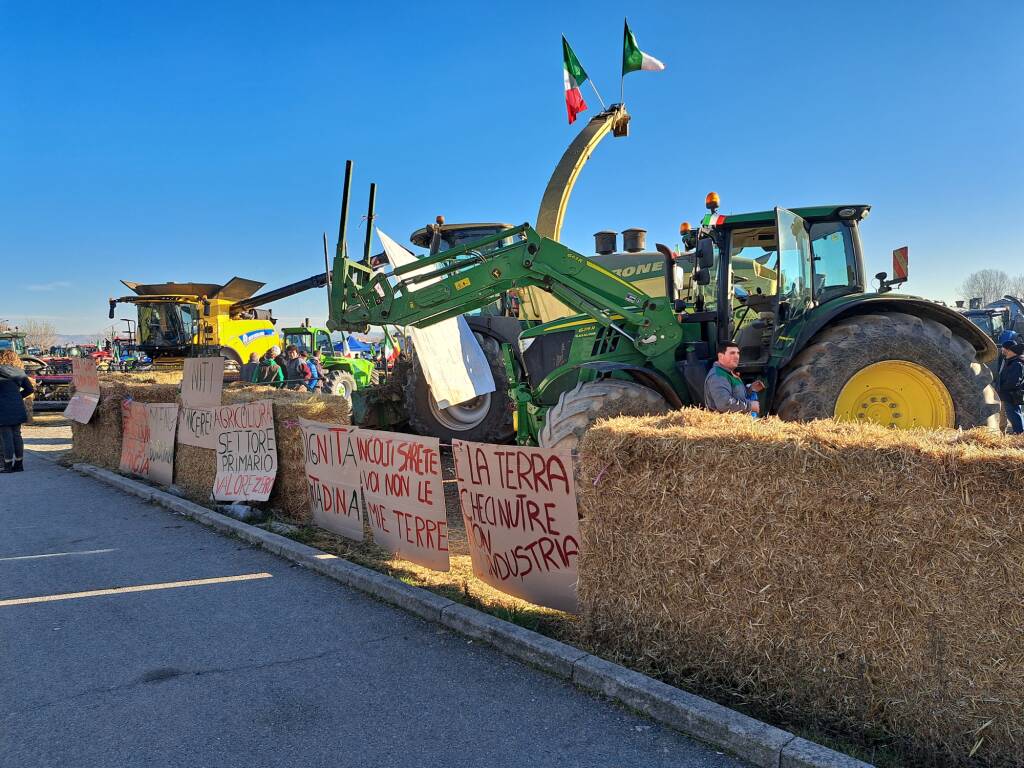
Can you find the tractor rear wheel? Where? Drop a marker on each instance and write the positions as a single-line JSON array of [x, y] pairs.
[[895, 369], [484, 419], [340, 383], [578, 409]]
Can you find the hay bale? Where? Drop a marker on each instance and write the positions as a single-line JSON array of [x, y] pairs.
[[849, 576], [99, 441]]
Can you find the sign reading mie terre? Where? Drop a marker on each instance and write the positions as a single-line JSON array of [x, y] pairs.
[[401, 480]]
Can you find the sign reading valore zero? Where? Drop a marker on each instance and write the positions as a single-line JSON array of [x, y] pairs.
[[332, 478], [147, 439], [201, 385], [519, 508], [404, 493], [246, 451], [87, 390]]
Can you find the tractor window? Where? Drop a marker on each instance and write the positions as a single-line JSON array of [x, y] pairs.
[[300, 340], [323, 342], [794, 263], [835, 260]]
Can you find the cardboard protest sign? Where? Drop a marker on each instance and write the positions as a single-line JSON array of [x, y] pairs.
[[519, 508], [201, 385], [246, 451], [147, 439], [87, 390], [404, 493], [202, 381], [162, 419], [332, 478], [134, 438]]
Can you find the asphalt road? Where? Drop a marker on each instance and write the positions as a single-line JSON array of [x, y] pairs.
[[282, 668]]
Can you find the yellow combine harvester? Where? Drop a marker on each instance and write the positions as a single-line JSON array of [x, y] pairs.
[[178, 320]]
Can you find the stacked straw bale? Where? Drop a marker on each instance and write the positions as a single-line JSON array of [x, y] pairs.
[[99, 441], [847, 576]]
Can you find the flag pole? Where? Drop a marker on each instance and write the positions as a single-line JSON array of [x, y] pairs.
[[603, 107]]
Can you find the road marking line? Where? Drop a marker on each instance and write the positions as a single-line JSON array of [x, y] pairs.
[[138, 588], [58, 554]]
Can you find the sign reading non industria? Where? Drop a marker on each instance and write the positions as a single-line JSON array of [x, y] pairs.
[[246, 451], [332, 478], [404, 492], [519, 508], [83, 403]]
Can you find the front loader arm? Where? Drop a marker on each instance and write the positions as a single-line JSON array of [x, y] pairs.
[[466, 278]]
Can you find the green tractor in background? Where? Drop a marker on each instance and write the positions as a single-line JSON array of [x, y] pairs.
[[342, 375], [806, 321]]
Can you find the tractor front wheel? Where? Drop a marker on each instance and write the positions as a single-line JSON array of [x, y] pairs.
[[895, 369], [578, 409], [340, 383]]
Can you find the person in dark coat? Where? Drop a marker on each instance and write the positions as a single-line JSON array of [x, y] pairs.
[[15, 386], [1011, 384], [248, 371]]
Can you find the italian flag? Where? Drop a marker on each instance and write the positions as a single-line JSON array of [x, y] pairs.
[[574, 76], [391, 347], [633, 59]]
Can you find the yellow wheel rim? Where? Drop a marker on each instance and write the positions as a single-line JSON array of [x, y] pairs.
[[896, 393]]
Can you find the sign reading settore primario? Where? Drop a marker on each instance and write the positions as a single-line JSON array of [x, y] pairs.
[[519, 508], [246, 451]]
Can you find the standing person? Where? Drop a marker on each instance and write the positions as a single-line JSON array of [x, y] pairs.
[[724, 391], [248, 372], [281, 359], [314, 373], [318, 363], [1011, 384], [15, 386], [268, 372], [296, 372]]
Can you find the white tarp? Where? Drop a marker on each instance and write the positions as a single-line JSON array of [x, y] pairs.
[[453, 362]]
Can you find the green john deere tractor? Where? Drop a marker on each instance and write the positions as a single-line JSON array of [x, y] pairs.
[[342, 375], [787, 286]]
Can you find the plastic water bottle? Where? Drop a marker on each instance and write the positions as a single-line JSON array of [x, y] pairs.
[[753, 398]]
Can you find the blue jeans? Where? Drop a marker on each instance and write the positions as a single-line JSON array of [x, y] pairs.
[[1015, 417], [11, 442]]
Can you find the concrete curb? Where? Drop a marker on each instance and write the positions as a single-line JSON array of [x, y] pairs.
[[752, 740]]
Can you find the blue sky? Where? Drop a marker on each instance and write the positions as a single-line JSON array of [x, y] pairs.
[[197, 141]]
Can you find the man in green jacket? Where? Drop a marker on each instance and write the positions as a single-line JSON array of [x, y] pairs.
[[268, 372], [724, 390]]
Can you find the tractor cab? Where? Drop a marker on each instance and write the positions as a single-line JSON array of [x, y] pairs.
[[14, 341], [780, 265]]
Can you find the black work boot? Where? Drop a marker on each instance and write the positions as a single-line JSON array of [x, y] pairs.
[[8, 467], [18, 466]]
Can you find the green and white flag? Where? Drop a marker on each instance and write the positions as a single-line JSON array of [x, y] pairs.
[[633, 59]]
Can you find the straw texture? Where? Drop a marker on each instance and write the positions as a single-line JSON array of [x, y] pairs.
[[845, 576]]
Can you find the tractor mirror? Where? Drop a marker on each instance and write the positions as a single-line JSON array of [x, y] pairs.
[[702, 276], [206, 308], [112, 305], [705, 253]]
